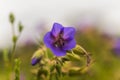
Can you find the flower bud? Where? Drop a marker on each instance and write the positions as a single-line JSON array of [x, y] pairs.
[[79, 50], [14, 39], [35, 61], [73, 57], [37, 56], [11, 18], [20, 27]]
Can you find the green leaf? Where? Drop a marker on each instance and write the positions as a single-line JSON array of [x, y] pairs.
[[52, 68], [45, 72], [58, 69]]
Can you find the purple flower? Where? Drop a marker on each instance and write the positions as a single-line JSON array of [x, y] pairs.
[[116, 47], [60, 39]]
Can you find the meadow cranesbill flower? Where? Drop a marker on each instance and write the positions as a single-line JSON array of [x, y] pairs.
[[116, 47], [60, 39]]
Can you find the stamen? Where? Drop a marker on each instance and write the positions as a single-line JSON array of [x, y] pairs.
[[59, 41]]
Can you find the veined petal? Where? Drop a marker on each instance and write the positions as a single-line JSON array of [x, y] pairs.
[[58, 51], [69, 44], [69, 33], [48, 39], [56, 29]]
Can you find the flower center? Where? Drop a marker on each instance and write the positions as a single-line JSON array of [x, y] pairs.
[[59, 42]]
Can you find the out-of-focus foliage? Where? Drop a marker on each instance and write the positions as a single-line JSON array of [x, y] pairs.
[[106, 64]]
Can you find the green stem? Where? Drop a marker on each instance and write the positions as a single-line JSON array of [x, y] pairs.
[[87, 55], [13, 30], [46, 52], [14, 44], [13, 52]]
